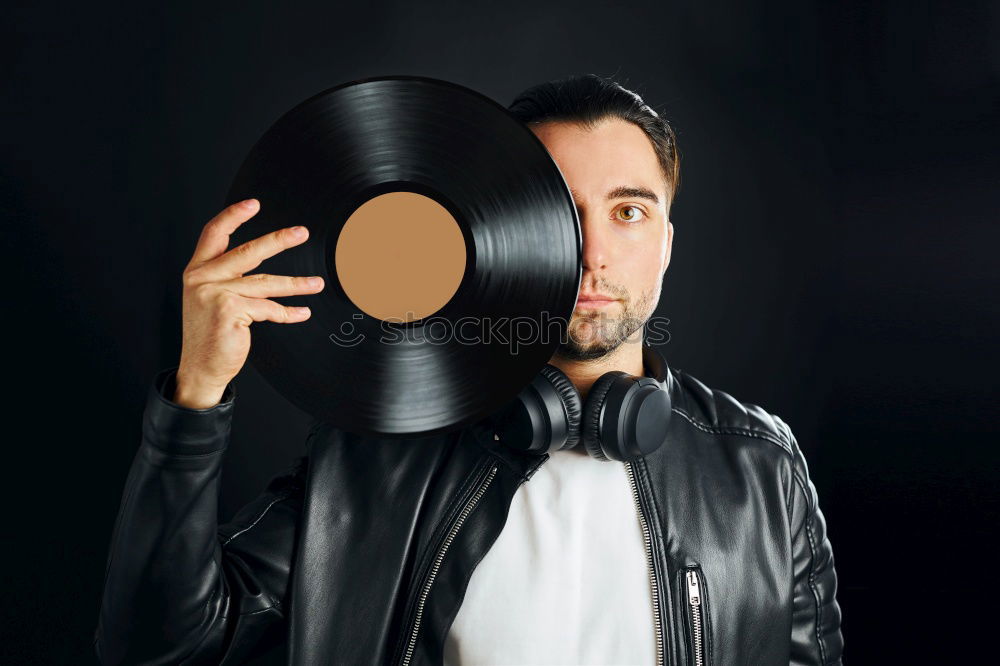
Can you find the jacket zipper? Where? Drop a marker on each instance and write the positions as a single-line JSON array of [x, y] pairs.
[[425, 590], [694, 606], [648, 542]]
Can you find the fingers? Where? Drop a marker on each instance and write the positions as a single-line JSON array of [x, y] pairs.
[[264, 285], [249, 255], [215, 234], [262, 309]]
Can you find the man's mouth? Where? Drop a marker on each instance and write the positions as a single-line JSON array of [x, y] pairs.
[[594, 302]]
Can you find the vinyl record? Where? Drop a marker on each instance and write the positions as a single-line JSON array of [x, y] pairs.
[[514, 282]]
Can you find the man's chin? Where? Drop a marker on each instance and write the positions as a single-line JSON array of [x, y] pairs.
[[584, 351]]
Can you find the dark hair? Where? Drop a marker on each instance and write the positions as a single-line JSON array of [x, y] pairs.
[[588, 99]]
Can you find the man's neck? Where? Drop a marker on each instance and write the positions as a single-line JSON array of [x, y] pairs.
[[583, 374]]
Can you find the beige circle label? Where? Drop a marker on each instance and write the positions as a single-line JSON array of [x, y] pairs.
[[400, 256]]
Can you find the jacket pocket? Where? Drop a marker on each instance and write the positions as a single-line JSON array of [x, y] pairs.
[[696, 617]]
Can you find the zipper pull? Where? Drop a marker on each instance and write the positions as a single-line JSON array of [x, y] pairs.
[[694, 590]]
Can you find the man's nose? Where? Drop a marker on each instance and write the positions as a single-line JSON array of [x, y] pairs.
[[595, 249]]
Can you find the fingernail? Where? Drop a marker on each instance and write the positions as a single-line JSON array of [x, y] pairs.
[[249, 203], [302, 311], [298, 231], [315, 281]]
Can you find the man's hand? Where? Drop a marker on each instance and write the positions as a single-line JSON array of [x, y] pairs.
[[219, 303]]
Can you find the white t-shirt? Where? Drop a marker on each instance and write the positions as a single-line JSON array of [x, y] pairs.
[[567, 580]]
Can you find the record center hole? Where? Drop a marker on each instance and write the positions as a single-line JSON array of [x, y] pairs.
[[400, 256]]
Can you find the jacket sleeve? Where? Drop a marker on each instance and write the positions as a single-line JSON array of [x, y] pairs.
[[178, 587], [816, 636]]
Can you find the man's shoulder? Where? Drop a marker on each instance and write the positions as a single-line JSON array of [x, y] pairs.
[[717, 412]]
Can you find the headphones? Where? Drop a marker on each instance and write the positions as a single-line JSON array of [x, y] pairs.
[[623, 416]]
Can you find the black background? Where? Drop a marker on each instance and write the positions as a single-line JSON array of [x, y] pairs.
[[834, 258]]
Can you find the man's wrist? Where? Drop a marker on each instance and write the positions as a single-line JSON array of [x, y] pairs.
[[195, 395]]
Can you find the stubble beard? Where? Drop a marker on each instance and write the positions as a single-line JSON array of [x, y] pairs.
[[593, 334]]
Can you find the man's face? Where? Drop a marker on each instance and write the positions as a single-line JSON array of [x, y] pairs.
[[626, 237]]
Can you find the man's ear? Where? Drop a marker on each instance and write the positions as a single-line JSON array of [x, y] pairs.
[[670, 243]]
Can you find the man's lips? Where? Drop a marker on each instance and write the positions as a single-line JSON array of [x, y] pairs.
[[594, 296], [594, 301]]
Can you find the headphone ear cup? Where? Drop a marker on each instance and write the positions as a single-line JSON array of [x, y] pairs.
[[591, 427], [571, 401]]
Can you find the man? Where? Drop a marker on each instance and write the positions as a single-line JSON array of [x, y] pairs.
[[710, 550]]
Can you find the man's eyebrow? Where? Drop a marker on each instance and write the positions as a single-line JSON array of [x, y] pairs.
[[626, 192]]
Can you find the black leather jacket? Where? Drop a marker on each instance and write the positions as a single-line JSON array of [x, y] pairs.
[[361, 552]]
